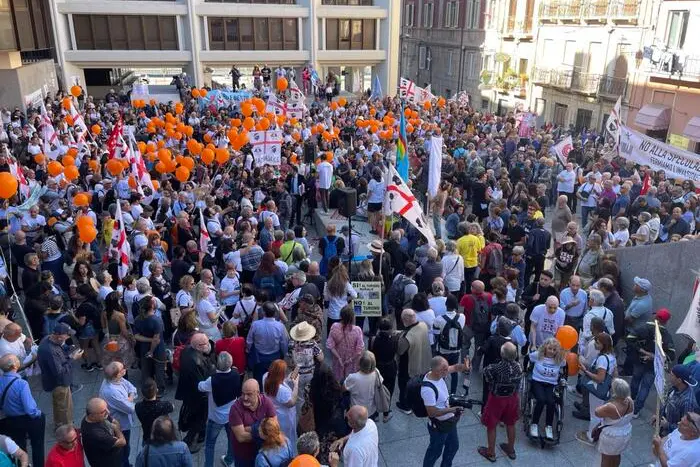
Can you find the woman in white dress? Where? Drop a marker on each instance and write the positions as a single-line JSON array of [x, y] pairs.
[[283, 391], [207, 314], [363, 384], [616, 417]]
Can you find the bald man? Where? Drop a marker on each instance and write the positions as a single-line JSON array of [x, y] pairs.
[[545, 320], [119, 395], [14, 342], [250, 408], [361, 446], [102, 436]]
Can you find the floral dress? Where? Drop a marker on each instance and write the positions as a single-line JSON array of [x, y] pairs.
[[349, 343]]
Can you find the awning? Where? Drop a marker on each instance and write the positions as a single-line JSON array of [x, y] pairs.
[[692, 129], [653, 117]]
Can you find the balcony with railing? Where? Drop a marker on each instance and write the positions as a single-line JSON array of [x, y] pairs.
[[521, 30], [577, 81], [549, 11], [568, 11], [596, 10], [625, 11], [675, 66], [612, 86], [347, 2]]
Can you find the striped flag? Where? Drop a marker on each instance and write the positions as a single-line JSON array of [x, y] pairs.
[[203, 234], [123, 248], [402, 149]]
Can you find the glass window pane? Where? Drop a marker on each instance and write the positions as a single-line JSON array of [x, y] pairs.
[[134, 33], [356, 34], [276, 36], [7, 34], [40, 25], [291, 35], [100, 31], [117, 31], [368, 31], [83, 32], [332, 34], [150, 25], [24, 25], [344, 34], [168, 32], [262, 41], [216, 33], [232, 34], [246, 28]]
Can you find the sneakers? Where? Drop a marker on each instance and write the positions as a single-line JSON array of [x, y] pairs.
[[549, 433], [582, 436], [636, 415], [223, 461], [535, 431], [76, 388], [388, 416], [97, 366], [87, 367], [402, 410]]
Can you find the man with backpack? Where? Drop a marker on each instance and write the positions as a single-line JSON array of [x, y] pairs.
[[402, 290], [330, 246], [477, 313], [443, 419], [413, 349], [491, 258], [450, 335]]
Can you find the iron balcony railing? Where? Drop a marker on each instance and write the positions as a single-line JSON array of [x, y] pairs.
[[577, 81], [575, 10]]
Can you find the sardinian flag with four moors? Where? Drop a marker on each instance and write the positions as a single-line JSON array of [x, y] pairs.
[[400, 200]]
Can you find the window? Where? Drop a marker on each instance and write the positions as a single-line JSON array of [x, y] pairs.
[[409, 12], [569, 53], [472, 60], [428, 15], [522, 66], [23, 25], [451, 15], [271, 2], [473, 7], [345, 34], [128, 32], [485, 104], [253, 33], [676, 29], [583, 119], [422, 57], [491, 14], [450, 54], [595, 65], [560, 114]]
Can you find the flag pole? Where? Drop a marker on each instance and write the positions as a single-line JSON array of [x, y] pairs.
[[387, 174]]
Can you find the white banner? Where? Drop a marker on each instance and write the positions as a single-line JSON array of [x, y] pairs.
[[659, 361], [434, 165], [691, 324], [645, 150], [267, 147]]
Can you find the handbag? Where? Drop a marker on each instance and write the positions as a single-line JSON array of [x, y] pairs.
[[382, 396], [596, 432], [600, 390]]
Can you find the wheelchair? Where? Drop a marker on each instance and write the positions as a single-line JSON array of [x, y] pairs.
[[527, 406]]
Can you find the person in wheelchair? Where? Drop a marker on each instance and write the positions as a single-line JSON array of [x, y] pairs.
[[547, 362]]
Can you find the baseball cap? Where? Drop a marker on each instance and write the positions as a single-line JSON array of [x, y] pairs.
[[663, 315], [684, 373], [642, 283], [62, 329]]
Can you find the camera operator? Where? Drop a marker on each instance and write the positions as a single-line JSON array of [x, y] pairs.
[[442, 424]]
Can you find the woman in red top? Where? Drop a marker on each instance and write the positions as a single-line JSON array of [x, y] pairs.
[[232, 344]]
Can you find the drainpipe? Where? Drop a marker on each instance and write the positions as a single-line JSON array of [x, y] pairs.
[[460, 75], [600, 101]]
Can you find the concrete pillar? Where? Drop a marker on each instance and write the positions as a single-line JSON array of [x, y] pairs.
[[309, 34], [194, 41], [388, 40]]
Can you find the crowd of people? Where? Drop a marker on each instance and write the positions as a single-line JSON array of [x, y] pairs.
[[227, 299]]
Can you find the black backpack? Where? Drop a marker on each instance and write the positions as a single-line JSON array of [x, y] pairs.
[[397, 297], [415, 401], [450, 329], [480, 316]]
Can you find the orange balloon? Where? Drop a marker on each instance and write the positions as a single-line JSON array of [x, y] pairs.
[[87, 234], [567, 337], [246, 108], [282, 83], [182, 174], [69, 120], [112, 346], [76, 91], [71, 172], [248, 123], [94, 165], [195, 93], [96, 129], [114, 167], [236, 122], [8, 185], [427, 105], [203, 92], [259, 104], [68, 160], [155, 184], [264, 123], [572, 363], [151, 147], [84, 221], [81, 199], [222, 156], [40, 158], [72, 152], [55, 168], [207, 156], [296, 136], [66, 103], [161, 168], [188, 162], [334, 106], [342, 101], [161, 143], [132, 182]]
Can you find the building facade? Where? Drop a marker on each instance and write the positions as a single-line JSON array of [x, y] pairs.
[[665, 100], [442, 44], [95, 37], [587, 54]]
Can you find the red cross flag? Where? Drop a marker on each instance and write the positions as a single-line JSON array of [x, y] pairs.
[[407, 89], [123, 248], [115, 137], [563, 148], [203, 234], [81, 130], [400, 200], [267, 147]]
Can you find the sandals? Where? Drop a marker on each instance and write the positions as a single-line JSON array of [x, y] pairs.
[[511, 454], [484, 452]]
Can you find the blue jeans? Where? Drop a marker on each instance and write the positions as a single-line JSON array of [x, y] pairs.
[[126, 451], [452, 359], [445, 444], [212, 434], [585, 210], [642, 379], [437, 223]]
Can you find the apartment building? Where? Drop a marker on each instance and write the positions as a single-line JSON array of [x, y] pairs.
[[98, 38], [587, 53], [665, 101], [442, 44]]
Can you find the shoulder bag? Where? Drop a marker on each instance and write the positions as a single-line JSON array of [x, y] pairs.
[[600, 390], [382, 396]]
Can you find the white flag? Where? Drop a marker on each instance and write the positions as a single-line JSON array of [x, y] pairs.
[[400, 200], [123, 247], [81, 130], [203, 234], [48, 133], [612, 126], [267, 147], [407, 89], [424, 95], [434, 165], [276, 106], [659, 362], [691, 324], [562, 149], [295, 94]]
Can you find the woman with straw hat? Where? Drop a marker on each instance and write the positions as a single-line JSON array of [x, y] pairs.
[[304, 352]]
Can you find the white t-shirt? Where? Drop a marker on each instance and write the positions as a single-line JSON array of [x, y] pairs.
[[361, 387], [546, 324], [622, 236], [325, 173], [609, 363], [440, 323], [680, 452], [438, 305], [566, 181], [183, 299], [376, 191], [362, 448], [443, 396], [546, 370], [230, 284], [593, 190], [428, 317]]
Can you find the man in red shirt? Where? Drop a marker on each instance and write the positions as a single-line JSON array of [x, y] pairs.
[[477, 320], [248, 409], [68, 451]]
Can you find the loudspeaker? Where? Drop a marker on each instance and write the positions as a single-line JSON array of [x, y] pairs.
[[309, 152], [348, 203]]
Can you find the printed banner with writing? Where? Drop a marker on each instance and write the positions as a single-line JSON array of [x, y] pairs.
[[691, 324], [267, 147], [369, 298], [645, 150]]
